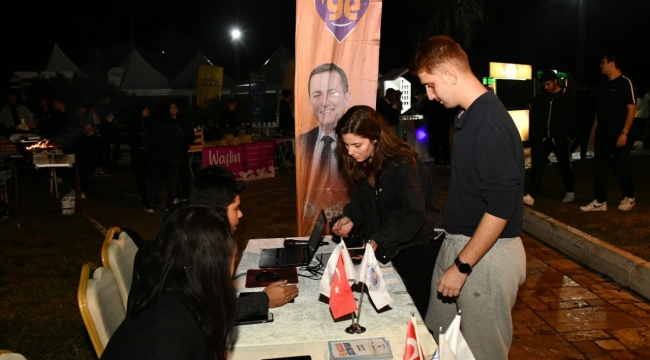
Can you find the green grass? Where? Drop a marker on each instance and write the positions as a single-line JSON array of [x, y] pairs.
[[40, 266]]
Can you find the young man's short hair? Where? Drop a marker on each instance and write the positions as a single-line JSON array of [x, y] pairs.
[[215, 186], [548, 75], [436, 51]]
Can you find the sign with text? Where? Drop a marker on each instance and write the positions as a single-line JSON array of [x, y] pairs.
[[248, 161]]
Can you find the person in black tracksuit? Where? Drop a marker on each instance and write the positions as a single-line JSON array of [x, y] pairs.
[[552, 126]]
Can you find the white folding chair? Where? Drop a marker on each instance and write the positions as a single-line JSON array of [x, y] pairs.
[[118, 254], [8, 355], [100, 305]]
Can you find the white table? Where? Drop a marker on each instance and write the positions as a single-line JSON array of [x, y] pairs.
[[305, 326]]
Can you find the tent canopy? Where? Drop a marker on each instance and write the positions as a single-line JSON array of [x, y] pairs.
[[187, 78], [59, 62], [141, 75]]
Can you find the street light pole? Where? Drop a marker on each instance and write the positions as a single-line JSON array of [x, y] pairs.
[[236, 36], [582, 34]]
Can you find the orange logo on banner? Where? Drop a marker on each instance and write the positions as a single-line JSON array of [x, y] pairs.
[[332, 73], [341, 16]]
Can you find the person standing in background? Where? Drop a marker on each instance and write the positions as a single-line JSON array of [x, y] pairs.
[[642, 116], [612, 135], [164, 137], [185, 122], [136, 126], [552, 126], [15, 117]]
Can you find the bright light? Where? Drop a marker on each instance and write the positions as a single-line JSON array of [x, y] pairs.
[[236, 34], [163, 51]]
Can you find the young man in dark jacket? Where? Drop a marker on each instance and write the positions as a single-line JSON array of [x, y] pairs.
[[552, 126]]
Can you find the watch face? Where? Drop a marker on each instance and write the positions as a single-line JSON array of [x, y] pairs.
[[464, 268]]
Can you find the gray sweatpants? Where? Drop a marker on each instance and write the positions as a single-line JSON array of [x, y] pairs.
[[486, 299]]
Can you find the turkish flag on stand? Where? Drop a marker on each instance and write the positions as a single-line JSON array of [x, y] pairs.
[[341, 297], [412, 350]]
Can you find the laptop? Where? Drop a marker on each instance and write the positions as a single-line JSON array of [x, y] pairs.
[[297, 255]]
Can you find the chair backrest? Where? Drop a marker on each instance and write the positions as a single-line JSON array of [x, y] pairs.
[[118, 254], [8, 355], [100, 305]]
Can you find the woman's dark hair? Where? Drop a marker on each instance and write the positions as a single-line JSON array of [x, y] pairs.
[[138, 109], [192, 253], [365, 122]]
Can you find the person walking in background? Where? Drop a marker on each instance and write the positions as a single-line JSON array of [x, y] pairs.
[[164, 137], [611, 134], [482, 261], [393, 205], [136, 126], [552, 126], [184, 175], [387, 106], [585, 119], [438, 128]]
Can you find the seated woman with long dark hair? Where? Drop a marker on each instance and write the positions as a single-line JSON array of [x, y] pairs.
[[185, 307], [394, 204]]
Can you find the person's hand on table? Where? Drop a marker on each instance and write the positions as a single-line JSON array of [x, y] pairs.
[[279, 293], [342, 227], [451, 281]]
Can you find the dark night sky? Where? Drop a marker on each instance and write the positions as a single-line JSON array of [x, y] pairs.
[[542, 33]]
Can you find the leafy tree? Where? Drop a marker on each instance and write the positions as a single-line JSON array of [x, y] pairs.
[[459, 19]]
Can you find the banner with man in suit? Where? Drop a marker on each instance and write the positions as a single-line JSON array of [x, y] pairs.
[[337, 66]]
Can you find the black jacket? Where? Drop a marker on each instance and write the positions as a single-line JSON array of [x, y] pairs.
[[553, 118], [401, 211]]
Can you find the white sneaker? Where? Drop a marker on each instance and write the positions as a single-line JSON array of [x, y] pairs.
[[148, 210], [627, 204], [569, 197], [594, 206], [176, 201], [529, 200]]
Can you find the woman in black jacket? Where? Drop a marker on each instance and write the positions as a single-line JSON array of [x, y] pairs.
[[163, 136], [185, 306], [394, 204]]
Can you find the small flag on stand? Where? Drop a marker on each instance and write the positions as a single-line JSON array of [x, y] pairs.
[[452, 344], [412, 349], [341, 297], [370, 274], [340, 249], [335, 282]]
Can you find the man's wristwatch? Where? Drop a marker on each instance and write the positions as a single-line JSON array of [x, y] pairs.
[[464, 268]]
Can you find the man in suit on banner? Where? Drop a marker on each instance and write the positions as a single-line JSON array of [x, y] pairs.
[[329, 98]]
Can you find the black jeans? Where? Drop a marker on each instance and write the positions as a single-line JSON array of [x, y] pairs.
[[157, 169], [415, 266], [539, 152], [606, 153], [185, 177], [139, 167]]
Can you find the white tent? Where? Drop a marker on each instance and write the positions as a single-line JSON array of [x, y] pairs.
[[276, 66], [141, 75], [142, 79], [187, 78], [59, 62]]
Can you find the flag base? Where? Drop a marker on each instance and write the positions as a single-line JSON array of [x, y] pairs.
[[355, 329]]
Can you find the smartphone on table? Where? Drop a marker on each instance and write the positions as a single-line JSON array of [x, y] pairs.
[[256, 319]]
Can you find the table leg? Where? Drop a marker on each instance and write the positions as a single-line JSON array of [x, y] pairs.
[[77, 191], [16, 198]]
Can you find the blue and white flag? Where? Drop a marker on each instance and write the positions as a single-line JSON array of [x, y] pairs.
[[370, 274]]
